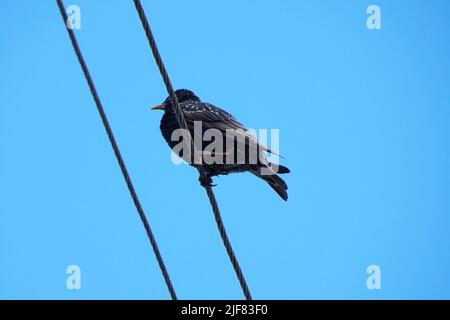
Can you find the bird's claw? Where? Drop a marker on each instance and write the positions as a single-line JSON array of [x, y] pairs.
[[206, 181]]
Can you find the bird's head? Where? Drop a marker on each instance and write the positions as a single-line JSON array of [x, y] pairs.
[[183, 95]]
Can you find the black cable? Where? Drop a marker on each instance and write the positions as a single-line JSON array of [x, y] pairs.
[[182, 123], [113, 142], [227, 244]]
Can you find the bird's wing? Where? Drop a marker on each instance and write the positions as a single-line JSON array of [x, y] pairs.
[[210, 115], [213, 117]]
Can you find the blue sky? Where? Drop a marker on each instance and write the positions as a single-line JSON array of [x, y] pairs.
[[364, 123]]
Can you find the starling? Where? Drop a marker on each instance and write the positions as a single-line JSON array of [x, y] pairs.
[[212, 117]]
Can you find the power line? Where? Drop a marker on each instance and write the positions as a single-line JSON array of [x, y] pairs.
[[182, 123], [117, 153]]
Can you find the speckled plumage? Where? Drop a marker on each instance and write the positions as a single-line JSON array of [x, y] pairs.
[[213, 117]]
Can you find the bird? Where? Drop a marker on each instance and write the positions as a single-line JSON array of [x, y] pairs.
[[212, 117]]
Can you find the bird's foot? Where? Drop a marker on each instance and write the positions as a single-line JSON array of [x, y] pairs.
[[206, 180]]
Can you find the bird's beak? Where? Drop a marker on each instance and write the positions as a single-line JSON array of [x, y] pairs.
[[158, 107]]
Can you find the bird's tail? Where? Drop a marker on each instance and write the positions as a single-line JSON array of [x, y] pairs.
[[283, 169], [275, 182]]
